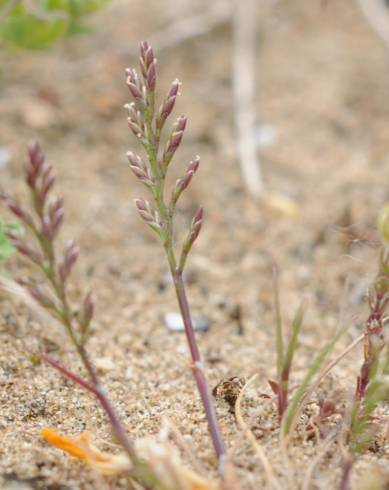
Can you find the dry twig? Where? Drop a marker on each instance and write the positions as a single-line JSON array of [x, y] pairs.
[[377, 14], [250, 436], [244, 93]]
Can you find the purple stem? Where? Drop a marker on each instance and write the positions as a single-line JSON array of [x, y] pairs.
[[68, 374], [346, 472], [283, 393], [98, 391], [198, 370], [373, 328]]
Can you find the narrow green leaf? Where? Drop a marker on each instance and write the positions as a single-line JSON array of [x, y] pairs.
[[278, 324], [314, 368], [296, 328], [362, 428]]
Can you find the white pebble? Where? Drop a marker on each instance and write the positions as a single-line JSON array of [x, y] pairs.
[[104, 364], [174, 323]]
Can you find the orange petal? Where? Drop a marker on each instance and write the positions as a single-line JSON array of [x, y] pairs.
[[82, 448], [64, 443]]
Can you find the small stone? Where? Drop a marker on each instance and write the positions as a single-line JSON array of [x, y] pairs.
[[5, 156], [266, 135], [174, 323], [129, 373], [104, 364]]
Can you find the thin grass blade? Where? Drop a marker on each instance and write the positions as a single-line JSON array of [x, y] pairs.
[[294, 406], [278, 324], [296, 329]]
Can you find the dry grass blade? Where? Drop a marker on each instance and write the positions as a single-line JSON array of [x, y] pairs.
[[289, 472], [272, 480], [185, 446], [320, 454], [377, 14], [14, 289], [333, 363]]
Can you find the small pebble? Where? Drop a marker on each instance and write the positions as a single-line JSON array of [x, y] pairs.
[[104, 364], [266, 135], [174, 323]]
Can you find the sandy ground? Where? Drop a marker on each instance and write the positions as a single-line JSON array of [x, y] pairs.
[[323, 84]]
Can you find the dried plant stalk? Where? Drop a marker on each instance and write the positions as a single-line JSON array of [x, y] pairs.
[[245, 30]]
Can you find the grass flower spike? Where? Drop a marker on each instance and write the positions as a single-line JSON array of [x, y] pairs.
[[38, 246], [147, 123]]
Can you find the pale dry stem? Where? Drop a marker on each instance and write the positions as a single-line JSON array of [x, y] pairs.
[[272, 480], [320, 454], [289, 470], [326, 371]]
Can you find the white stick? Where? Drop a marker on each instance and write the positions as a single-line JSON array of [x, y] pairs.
[[377, 13], [245, 20]]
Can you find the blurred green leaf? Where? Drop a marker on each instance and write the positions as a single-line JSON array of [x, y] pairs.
[[38, 24], [38, 29], [78, 8]]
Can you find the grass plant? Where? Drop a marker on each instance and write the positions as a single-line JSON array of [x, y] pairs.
[[42, 220], [372, 386], [147, 123], [284, 354], [285, 351]]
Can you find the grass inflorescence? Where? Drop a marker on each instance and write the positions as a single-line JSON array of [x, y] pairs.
[[147, 123]]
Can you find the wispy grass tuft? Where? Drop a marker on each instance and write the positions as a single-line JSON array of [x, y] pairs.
[[312, 371], [288, 409]]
